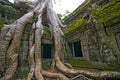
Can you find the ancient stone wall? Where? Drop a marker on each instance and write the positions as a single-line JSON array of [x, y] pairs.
[[97, 30]]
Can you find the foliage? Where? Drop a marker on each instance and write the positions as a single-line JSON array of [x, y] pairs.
[[63, 16], [46, 64], [3, 21], [9, 12], [21, 72], [81, 8], [115, 65], [35, 18], [60, 16], [46, 32], [108, 11], [6, 12]]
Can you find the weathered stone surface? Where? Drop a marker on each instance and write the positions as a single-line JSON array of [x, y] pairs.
[[99, 40]]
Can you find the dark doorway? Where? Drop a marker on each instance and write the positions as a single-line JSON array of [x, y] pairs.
[[46, 51], [77, 49], [118, 39]]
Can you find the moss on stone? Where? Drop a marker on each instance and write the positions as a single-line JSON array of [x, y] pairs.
[[115, 65], [21, 72], [77, 23], [78, 63], [104, 14], [46, 30], [46, 64], [46, 33], [108, 11], [82, 64]]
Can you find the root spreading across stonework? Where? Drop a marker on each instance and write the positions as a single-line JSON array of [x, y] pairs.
[[11, 38]]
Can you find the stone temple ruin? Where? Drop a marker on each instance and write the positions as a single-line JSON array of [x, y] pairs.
[[92, 36]]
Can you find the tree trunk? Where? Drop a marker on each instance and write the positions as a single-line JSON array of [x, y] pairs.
[[32, 62], [12, 45], [11, 38], [38, 35]]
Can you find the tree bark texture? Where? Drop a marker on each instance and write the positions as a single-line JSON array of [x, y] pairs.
[[10, 40]]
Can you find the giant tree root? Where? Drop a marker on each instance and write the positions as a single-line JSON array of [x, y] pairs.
[[100, 74], [11, 38], [54, 75], [81, 77], [11, 47], [32, 62], [58, 35]]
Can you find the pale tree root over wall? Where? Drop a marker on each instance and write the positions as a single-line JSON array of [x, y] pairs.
[[11, 38]]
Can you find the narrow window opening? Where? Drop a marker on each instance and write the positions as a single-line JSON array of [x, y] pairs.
[[46, 51], [77, 49]]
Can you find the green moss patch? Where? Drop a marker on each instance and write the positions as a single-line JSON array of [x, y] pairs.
[[46, 30], [46, 33], [115, 65], [9, 12], [76, 24], [46, 64], [2, 22], [108, 11], [21, 72], [78, 63]]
